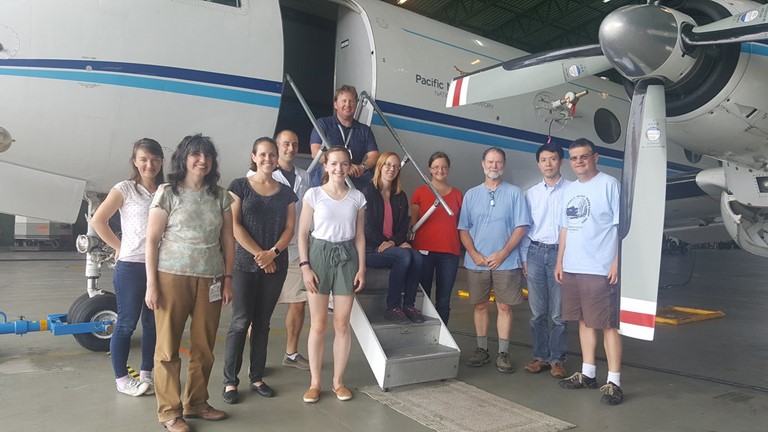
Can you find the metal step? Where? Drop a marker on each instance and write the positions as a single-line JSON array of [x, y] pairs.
[[401, 354]]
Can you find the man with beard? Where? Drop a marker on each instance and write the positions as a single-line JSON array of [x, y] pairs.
[[493, 221]]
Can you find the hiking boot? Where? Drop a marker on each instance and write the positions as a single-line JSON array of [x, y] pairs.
[[612, 394], [396, 316], [535, 366], [578, 381], [299, 363], [503, 364], [558, 370], [413, 314], [479, 358], [134, 388]]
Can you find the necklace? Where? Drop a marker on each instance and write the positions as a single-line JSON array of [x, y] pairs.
[[336, 195]]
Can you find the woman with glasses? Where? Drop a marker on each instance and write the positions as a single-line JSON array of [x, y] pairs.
[[386, 232], [438, 238]]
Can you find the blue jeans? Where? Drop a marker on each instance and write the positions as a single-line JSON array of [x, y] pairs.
[[444, 266], [404, 275], [130, 282], [545, 299]]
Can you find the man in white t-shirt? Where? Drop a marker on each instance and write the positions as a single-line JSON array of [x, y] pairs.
[[588, 268]]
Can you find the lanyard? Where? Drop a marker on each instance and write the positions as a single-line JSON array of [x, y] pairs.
[[346, 140]]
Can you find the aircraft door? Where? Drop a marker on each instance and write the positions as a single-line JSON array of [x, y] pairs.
[[355, 54]]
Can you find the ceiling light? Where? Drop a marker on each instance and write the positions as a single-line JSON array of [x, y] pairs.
[[474, 62], [401, 1]]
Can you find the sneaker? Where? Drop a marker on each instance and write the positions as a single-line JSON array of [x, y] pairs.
[[134, 388], [413, 314], [151, 382], [612, 394], [558, 370], [396, 315], [535, 366], [479, 358], [299, 363], [578, 381], [503, 364]]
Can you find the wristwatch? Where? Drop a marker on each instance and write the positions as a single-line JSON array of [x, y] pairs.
[[276, 251], [365, 167]]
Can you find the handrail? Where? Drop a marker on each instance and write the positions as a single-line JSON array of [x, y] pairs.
[[438, 199], [313, 119]]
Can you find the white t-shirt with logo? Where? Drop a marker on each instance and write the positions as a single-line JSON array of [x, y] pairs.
[[591, 214]]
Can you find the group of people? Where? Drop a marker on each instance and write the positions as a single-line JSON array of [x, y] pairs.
[[190, 247], [562, 237]]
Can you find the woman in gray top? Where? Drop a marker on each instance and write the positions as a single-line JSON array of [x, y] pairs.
[[189, 257]]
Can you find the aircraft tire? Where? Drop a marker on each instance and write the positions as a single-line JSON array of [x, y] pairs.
[[98, 308]]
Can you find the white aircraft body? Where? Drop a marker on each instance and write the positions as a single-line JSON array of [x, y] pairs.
[[81, 80]]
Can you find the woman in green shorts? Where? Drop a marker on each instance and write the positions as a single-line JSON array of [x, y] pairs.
[[332, 260]]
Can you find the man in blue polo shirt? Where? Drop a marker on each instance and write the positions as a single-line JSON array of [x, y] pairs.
[[341, 129], [494, 219]]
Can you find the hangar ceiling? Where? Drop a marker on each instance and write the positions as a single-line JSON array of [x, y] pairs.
[[529, 25]]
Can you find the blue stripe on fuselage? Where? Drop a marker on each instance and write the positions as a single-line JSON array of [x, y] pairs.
[[446, 126], [195, 83]]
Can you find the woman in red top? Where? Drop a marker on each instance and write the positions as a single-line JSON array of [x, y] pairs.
[[438, 238]]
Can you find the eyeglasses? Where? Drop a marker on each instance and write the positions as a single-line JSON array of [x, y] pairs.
[[581, 158], [439, 168], [493, 201], [388, 165]]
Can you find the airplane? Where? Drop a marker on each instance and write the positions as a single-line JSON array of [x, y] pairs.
[[82, 80], [695, 72]]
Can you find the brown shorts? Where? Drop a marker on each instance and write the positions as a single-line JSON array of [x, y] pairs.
[[590, 298], [507, 284]]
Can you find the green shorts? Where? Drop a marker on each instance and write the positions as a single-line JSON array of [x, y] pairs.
[[335, 265]]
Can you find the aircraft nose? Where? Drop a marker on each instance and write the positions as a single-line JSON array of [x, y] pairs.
[[638, 40]]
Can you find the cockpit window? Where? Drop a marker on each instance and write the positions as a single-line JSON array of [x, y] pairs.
[[233, 3], [607, 126]]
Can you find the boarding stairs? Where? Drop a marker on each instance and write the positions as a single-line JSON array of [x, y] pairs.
[[401, 354]]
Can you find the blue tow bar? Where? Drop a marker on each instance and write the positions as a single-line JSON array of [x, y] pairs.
[[56, 323]]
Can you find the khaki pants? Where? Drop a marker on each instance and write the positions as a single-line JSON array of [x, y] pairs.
[[181, 297]]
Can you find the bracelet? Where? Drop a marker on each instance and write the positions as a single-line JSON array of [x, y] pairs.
[[303, 263], [227, 276]]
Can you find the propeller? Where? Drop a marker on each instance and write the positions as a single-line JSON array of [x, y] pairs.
[[526, 74], [641, 226], [655, 47]]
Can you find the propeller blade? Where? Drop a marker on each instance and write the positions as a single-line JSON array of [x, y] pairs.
[[527, 74], [748, 26], [641, 226]]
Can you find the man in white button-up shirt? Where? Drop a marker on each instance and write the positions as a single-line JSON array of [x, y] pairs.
[[539, 253]]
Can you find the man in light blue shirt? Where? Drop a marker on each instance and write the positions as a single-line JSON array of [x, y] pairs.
[[588, 268], [494, 218], [539, 253]]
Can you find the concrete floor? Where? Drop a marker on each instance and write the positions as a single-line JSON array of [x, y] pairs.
[[698, 377]]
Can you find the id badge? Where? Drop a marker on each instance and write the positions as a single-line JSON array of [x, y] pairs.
[[214, 292]]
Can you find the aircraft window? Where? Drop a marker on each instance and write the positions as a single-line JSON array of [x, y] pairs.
[[233, 3], [607, 126]]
